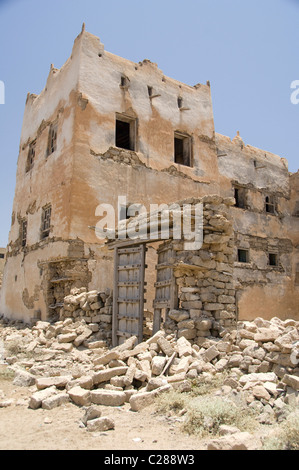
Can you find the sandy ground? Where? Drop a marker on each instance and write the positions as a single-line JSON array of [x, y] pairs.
[[22, 428]]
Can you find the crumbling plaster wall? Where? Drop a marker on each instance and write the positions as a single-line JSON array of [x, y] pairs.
[[263, 290], [147, 175], [47, 182]]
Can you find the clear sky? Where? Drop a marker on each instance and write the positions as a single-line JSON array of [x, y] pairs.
[[248, 50]]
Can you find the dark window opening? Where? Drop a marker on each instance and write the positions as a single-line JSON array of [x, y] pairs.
[[240, 197], [124, 82], [2, 255], [180, 102], [182, 150], [24, 232], [297, 275], [296, 210], [150, 91], [31, 156], [52, 142], [46, 222], [273, 259], [124, 134], [243, 256], [270, 204]]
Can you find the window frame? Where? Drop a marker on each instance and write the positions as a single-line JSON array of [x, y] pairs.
[[52, 138], [46, 221], [24, 228], [132, 135], [270, 203], [242, 251], [240, 195], [31, 156], [187, 154]]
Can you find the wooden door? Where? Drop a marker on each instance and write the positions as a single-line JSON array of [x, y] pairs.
[[166, 291], [128, 293]]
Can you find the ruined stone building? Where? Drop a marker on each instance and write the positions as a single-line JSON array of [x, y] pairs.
[[105, 127]]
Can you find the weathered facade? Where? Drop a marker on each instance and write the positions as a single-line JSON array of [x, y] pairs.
[[106, 128], [2, 263]]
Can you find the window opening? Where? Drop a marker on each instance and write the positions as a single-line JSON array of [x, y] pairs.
[[240, 197], [125, 133], [24, 232], [182, 150], [46, 221], [52, 143], [31, 156], [243, 256], [273, 260], [270, 204]]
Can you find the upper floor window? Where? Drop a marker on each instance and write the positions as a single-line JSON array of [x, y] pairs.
[[24, 232], [240, 197], [46, 221], [2, 255], [125, 132], [273, 259], [52, 140], [30, 156], [182, 149], [243, 256], [270, 205]]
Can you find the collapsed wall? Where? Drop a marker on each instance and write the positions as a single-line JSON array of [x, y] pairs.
[[201, 299]]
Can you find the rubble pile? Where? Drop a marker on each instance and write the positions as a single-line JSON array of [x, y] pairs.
[[93, 306], [66, 362]]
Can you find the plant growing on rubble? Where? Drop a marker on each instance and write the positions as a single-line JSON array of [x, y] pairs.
[[286, 436], [206, 414]]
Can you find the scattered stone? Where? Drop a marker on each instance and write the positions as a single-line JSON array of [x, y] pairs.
[[107, 397], [55, 401], [92, 412], [143, 399], [37, 398], [80, 396], [100, 424], [236, 441]]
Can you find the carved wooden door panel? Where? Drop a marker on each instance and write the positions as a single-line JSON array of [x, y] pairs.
[[128, 293]]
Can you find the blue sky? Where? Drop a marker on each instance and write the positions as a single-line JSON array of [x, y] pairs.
[[247, 49]]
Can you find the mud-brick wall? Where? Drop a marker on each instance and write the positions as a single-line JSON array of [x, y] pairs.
[[204, 278]]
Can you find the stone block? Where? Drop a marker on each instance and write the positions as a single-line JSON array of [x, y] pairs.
[[158, 363], [291, 381], [106, 358], [23, 378], [187, 333], [266, 335], [165, 346], [210, 354], [67, 337], [106, 374], [55, 400], [80, 396], [57, 381], [143, 399], [107, 397], [101, 424], [37, 398], [184, 347]]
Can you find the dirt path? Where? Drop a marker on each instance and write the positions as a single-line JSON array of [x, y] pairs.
[[22, 428]]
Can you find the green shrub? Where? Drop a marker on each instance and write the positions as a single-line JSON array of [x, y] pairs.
[[171, 401], [206, 415], [286, 437]]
